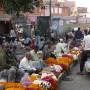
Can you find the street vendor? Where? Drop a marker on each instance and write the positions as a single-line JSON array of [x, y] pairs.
[[37, 58], [7, 57], [40, 55], [34, 55], [26, 63], [3, 59], [48, 50], [60, 48]]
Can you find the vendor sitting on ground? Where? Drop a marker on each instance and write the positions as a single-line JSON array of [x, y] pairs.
[[26, 63], [37, 59], [40, 55], [34, 55], [48, 50]]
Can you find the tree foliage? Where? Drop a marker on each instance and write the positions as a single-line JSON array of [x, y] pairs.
[[20, 5]]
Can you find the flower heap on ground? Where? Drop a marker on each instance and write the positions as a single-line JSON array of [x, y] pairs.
[[47, 79]]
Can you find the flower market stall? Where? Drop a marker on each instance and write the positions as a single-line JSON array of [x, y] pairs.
[[47, 78]]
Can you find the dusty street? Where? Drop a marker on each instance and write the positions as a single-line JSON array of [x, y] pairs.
[[79, 82]]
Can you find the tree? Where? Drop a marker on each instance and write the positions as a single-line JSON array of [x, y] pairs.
[[16, 6]]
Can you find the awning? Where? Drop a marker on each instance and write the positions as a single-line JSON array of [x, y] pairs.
[[5, 17]]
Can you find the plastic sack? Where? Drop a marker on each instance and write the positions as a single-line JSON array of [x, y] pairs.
[[87, 66]]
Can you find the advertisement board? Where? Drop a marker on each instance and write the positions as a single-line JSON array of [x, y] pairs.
[[82, 9]]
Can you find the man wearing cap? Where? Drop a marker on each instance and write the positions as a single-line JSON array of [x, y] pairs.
[[60, 47]]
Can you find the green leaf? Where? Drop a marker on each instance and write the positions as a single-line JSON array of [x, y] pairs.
[[20, 5]]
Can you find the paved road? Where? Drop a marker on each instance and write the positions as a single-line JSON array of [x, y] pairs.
[[79, 82]]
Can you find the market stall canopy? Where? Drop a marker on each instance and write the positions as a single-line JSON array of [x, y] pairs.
[[5, 17]]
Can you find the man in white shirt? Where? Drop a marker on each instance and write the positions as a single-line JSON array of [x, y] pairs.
[[26, 63], [85, 52], [60, 47], [86, 42]]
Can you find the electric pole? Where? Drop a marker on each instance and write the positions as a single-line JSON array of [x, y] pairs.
[[50, 13], [50, 6]]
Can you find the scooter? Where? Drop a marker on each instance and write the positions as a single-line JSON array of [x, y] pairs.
[[87, 64]]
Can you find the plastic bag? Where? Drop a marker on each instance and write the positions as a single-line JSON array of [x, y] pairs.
[[25, 80], [87, 66]]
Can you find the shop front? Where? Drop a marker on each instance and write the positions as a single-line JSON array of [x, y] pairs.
[[5, 24]]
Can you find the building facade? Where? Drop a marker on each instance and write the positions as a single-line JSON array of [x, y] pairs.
[[57, 8], [2, 11]]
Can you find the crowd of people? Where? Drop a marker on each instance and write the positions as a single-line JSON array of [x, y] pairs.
[[38, 50], [81, 38]]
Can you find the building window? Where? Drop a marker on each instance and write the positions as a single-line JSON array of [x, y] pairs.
[[39, 10], [60, 10], [56, 10], [47, 13], [52, 10]]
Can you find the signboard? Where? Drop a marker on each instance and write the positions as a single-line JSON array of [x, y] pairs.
[[82, 9]]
